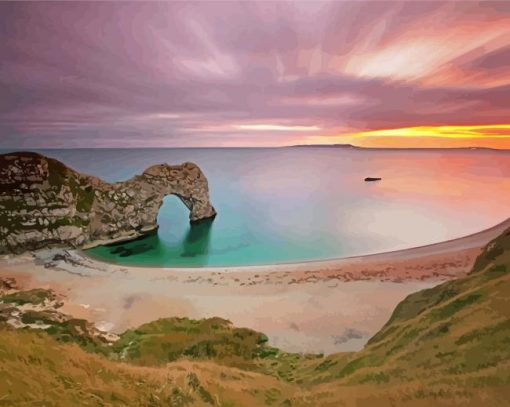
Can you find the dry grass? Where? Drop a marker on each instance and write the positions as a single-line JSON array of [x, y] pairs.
[[37, 370]]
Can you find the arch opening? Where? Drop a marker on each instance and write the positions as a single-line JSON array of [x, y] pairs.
[[191, 239]]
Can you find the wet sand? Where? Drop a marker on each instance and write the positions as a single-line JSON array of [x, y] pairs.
[[324, 306]]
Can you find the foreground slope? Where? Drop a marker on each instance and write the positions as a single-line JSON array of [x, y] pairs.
[[37, 370], [445, 346]]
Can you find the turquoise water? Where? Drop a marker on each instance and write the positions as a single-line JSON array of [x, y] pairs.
[[296, 204]]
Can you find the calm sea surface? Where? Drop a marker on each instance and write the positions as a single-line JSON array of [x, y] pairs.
[[293, 204]]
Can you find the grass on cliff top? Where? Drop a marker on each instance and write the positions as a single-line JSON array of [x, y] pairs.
[[169, 339]]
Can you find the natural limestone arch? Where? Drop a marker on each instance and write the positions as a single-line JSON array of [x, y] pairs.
[[136, 202], [45, 203]]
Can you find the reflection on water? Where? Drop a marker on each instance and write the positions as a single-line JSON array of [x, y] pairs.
[[123, 251], [195, 244], [138, 246], [193, 247]]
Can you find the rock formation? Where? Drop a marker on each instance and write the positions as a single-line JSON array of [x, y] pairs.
[[45, 203]]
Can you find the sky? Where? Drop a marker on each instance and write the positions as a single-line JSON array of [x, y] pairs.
[[378, 74]]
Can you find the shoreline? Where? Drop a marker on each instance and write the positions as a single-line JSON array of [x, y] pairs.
[[463, 243], [325, 306]]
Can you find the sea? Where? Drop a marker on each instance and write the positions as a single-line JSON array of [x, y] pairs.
[[294, 204]]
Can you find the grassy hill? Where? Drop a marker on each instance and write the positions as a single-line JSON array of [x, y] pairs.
[[37, 370], [444, 346]]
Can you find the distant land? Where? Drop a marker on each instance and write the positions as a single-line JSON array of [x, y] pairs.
[[328, 145], [351, 146]]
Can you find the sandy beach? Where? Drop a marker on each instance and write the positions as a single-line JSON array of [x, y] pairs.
[[321, 306]]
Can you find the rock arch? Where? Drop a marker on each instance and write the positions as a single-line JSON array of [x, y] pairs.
[[45, 203], [133, 205]]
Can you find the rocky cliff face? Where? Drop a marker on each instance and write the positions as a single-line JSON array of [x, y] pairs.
[[45, 203]]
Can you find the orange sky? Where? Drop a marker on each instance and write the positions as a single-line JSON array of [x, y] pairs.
[[491, 136]]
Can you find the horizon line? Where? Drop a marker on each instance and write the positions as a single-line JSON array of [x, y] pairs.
[[333, 145]]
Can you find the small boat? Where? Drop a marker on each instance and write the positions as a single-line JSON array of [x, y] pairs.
[[370, 179]]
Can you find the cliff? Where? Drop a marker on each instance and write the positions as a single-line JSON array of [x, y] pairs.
[[45, 203]]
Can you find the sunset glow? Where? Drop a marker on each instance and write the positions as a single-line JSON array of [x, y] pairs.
[[493, 136], [500, 130]]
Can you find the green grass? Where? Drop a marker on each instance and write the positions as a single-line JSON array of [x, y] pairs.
[[497, 252], [81, 332], [57, 173], [36, 296], [42, 317], [84, 194], [169, 339]]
